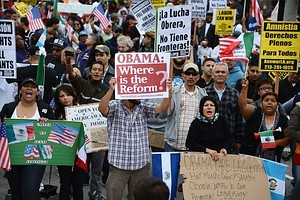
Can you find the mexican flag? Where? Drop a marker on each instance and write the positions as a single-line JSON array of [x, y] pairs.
[[237, 48], [267, 139], [82, 158]]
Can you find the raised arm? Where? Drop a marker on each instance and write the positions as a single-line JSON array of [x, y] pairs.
[[103, 105], [164, 105], [245, 108]]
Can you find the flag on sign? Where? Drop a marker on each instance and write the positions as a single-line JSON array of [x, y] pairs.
[[34, 18], [4, 151], [255, 12], [31, 152], [99, 13], [267, 139], [165, 166], [82, 158], [62, 135], [276, 178]]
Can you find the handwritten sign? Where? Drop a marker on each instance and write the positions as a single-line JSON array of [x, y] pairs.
[[174, 30], [156, 138], [78, 8], [198, 8], [142, 75], [94, 124], [8, 49], [232, 177]]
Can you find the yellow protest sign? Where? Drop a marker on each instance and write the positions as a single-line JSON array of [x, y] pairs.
[[158, 3], [225, 19], [21, 9], [280, 46], [30, 2]]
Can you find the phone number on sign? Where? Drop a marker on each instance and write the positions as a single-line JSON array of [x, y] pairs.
[[277, 67]]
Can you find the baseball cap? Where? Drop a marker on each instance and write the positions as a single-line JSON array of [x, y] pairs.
[[83, 32], [29, 80], [117, 27], [150, 34], [209, 12], [60, 43], [102, 48], [190, 65], [113, 15]]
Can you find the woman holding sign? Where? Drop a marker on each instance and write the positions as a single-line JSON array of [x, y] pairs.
[[264, 118], [69, 175], [24, 180]]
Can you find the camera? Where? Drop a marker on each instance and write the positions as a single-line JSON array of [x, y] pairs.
[[69, 53]]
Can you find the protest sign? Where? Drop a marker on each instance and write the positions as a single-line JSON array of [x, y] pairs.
[[144, 12], [280, 45], [156, 138], [42, 143], [21, 9], [158, 3], [78, 8], [174, 30], [225, 20], [8, 49], [198, 8], [215, 4], [30, 2], [94, 124], [231, 177], [142, 75]]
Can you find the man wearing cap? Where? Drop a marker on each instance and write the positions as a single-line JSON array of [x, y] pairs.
[[184, 108], [53, 60], [114, 18], [148, 42], [117, 31]]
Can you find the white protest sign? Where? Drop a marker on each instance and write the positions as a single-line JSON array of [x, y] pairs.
[[174, 30], [78, 8], [198, 8], [141, 75], [144, 12], [8, 49], [215, 4], [95, 125]]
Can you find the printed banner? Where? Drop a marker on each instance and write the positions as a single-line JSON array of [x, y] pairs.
[[225, 20], [21, 9], [174, 30], [280, 45], [42, 143], [198, 8], [94, 124], [215, 4], [8, 49], [144, 12], [231, 177], [141, 75], [158, 3]]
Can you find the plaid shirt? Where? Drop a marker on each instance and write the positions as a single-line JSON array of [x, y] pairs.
[[128, 136], [229, 108]]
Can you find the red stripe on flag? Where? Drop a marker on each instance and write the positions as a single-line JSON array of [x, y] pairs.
[[256, 12]]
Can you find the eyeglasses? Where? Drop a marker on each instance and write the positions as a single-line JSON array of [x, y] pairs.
[[266, 88], [189, 73]]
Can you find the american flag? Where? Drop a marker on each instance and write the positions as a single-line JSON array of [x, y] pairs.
[[31, 151], [62, 135], [255, 12], [4, 151], [35, 19], [99, 13], [68, 27], [87, 139]]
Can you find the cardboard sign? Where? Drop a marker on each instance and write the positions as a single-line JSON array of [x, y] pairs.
[[280, 45], [78, 8], [174, 30], [198, 8], [8, 49], [144, 12], [43, 143], [225, 20], [231, 177], [94, 124], [215, 4], [156, 138], [21, 9], [141, 75]]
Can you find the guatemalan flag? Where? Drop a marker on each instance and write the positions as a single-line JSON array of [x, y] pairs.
[[165, 166], [276, 178]]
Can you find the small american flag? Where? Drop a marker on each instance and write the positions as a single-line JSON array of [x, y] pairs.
[[87, 139], [62, 135], [35, 19], [99, 13], [68, 27], [255, 12], [31, 151], [4, 151]]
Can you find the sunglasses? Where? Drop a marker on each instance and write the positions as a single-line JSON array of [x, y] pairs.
[[190, 73]]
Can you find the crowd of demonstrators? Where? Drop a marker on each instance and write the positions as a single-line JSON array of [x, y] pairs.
[[213, 98]]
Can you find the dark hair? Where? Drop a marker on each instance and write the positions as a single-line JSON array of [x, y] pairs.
[[96, 62], [151, 188], [52, 21], [77, 19], [24, 21], [259, 83], [274, 94], [59, 110], [208, 59], [253, 63], [7, 11], [208, 98]]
